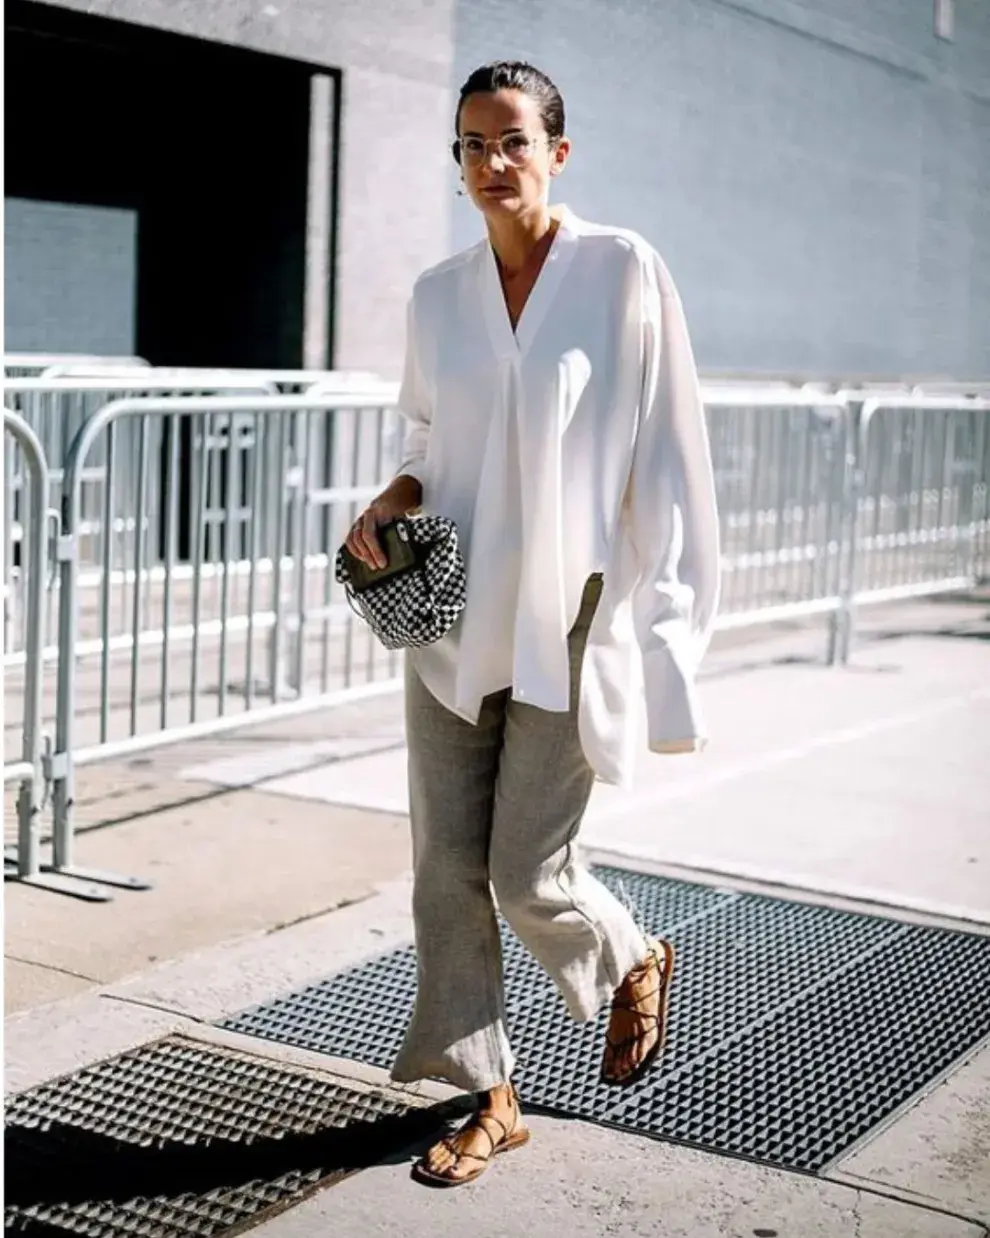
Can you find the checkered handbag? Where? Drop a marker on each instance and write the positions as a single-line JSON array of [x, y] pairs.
[[419, 605]]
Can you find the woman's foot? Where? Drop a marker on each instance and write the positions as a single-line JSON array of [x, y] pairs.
[[637, 1030], [460, 1158]]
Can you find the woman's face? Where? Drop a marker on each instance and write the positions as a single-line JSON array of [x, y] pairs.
[[506, 159]]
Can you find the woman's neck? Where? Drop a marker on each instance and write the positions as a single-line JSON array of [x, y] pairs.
[[514, 240]]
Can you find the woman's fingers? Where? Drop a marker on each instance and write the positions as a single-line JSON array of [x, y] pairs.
[[369, 535], [352, 544], [362, 541]]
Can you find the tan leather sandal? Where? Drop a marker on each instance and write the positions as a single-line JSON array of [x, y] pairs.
[[511, 1137], [661, 960]]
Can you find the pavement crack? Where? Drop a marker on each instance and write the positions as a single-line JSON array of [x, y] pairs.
[[322, 911], [62, 971], [158, 1007], [866, 1187]]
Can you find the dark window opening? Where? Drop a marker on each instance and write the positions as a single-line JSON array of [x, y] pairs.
[[193, 153]]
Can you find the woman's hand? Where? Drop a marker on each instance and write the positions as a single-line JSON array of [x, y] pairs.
[[403, 496]]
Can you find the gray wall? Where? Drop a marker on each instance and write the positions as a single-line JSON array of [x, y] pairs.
[[816, 175], [69, 278], [394, 206]]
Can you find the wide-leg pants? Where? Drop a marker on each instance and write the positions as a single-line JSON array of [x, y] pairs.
[[495, 810]]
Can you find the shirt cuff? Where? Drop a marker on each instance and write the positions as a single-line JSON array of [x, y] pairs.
[[673, 710]]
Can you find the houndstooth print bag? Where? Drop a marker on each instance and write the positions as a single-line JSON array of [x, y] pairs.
[[420, 604]]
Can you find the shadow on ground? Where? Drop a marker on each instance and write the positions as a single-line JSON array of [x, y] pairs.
[[58, 1176], [958, 633]]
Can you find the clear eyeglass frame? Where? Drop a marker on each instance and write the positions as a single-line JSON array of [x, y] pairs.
[[514, 149]]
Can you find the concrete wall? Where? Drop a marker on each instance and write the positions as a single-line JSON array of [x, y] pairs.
[[394, 208], [817, 176]]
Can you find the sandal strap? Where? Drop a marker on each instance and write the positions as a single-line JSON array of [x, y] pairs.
[[650, 1022], [459, 1155], [652, 1018], [478, 1123], [632, 1007], [469, 1156], [653, 959], [490, 1117], [653, 963], [615, 1045]]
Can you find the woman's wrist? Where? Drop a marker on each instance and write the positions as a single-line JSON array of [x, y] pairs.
[[405, 494]]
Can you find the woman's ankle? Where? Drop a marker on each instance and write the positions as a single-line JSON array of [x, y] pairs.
[[502, 1096]]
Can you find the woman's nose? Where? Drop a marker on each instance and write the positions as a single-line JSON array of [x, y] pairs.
[[490, 158]]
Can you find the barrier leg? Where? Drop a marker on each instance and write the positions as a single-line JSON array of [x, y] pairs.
[[70, 877]]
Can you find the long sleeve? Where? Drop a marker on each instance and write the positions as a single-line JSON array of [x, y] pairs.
[[414, 404], [671, 520]]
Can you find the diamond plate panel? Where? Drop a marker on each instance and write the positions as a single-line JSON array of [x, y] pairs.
[[794, 1028], [182, 1140]]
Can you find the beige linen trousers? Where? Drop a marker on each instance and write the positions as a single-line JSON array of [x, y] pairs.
[[495, 811]]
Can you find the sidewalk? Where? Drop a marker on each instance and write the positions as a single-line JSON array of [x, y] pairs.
[[280, 857]]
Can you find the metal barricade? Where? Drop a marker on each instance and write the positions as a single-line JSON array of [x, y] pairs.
[[195, 562], [56, 408], [232, 635], [31, 364], [780, 463], [285, 382], [918, 507], [29, 771]]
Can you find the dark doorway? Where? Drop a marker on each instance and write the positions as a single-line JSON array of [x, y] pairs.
[[207, 144]]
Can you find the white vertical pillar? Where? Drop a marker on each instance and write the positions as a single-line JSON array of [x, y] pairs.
[[945, 19], [319, 224]]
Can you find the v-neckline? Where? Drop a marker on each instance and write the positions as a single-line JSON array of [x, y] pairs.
[[546, 243], [515, 342]]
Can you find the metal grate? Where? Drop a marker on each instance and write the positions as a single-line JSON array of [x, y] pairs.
[[182, 1140], [795, 1029]]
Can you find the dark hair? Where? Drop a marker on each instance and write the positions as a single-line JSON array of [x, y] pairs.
[[515, 75]]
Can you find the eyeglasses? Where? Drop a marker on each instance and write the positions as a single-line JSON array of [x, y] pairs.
[[515, 149]]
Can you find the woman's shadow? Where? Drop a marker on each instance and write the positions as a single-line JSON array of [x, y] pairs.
[[68, 1167]]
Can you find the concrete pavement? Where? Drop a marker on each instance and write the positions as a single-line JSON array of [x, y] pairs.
[[863, 788]]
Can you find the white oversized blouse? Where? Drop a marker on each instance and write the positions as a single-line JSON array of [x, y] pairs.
[[572, 446]]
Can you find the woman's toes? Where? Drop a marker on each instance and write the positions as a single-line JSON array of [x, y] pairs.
[[439, 1158], [621, 1063]]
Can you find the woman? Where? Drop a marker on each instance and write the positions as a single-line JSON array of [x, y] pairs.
[[554, 415]]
